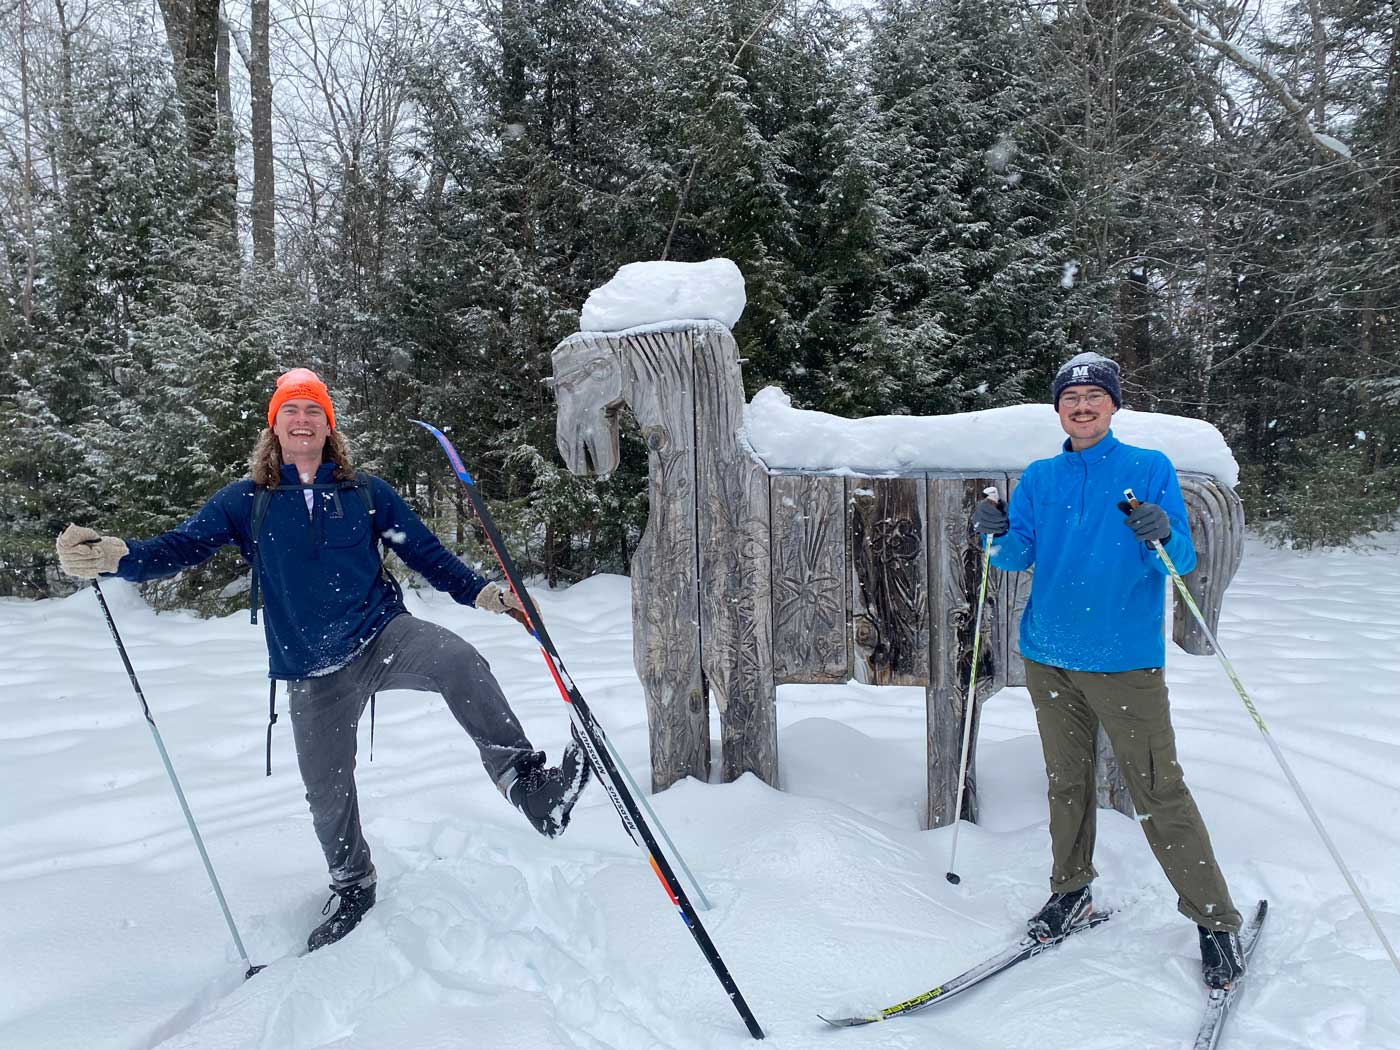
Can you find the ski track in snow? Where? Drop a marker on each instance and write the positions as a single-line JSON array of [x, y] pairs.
[[828, 896]]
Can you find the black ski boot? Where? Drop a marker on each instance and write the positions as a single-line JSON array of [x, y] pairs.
[[1060, 912], [1222, 957], [546, 795], [354, 901]]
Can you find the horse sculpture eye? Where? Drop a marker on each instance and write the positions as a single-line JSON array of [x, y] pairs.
[[657, 438]]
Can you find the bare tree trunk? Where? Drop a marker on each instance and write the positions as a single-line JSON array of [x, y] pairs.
[[63, 157], [264, 186], [198, 57], [192, 30], [1134, 349], [176, 16], [1374, 326], [227, 141], [1319, 77], [31, 261]]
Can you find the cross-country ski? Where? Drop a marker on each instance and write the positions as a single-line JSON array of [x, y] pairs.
[[1220, 1000], [1027, 947]]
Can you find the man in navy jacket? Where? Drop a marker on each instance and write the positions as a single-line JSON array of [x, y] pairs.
[[1092, 640], [336, 627]]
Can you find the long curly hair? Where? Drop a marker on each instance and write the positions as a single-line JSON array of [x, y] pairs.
[[265, 465]]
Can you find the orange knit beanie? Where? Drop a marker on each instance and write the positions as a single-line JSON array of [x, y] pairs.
[[300, 383]]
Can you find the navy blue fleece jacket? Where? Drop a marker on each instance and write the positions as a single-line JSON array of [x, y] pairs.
[[324, 596]]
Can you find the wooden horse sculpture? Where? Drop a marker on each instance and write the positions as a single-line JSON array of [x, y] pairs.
[[748, 576]]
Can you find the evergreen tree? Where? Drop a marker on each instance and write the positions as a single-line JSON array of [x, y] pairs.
[[973, 235]]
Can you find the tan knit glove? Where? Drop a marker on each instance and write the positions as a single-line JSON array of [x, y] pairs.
[[87, 554], [496, 599]]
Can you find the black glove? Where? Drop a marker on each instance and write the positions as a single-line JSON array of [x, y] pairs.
[[1148, 521], [989, 518]]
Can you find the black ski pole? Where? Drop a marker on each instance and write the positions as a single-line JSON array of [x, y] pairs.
[[175, 782], [594, 742]]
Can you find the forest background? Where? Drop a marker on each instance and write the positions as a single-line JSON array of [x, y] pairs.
[[934, 203]]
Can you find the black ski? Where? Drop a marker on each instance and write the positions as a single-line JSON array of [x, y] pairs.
[[591, 736], [1026, 948], [1221, 999]]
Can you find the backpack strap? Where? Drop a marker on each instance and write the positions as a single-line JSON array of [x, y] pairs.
[[261, 494], [271, 720], [362, 487]]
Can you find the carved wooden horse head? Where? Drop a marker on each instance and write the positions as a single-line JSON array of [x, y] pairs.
[[588, 387]]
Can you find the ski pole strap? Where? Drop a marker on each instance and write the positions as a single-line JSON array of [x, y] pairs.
[[371, 725], [271, 718]]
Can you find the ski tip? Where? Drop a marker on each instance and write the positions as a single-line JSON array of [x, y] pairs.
[[953, 877], [849, 1022], [456, 460]]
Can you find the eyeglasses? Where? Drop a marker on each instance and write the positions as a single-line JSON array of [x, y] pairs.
[[1094, 400]]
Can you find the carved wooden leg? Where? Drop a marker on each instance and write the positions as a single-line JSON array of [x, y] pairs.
[[679, 719], [945, 732], [666, 652], [749, 733], [1113, 789]]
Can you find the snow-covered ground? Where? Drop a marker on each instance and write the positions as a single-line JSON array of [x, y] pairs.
[[828, 896]]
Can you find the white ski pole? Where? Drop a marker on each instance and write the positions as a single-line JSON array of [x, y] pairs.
[[970, 705], [1268, 737]]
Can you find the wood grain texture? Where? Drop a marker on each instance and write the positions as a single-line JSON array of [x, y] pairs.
[[954, 558], [659, 387], [736, 618], [889, 579], [1216, 515], [588, 387], [811, 630]]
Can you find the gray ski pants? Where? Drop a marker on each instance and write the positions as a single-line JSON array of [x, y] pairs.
[[408, 654]]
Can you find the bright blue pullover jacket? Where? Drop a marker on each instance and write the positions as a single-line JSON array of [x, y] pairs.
[[324, 595], [1097, 597]]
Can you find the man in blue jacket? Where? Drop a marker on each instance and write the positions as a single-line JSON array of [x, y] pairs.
[[1093, 644], [336, 627]]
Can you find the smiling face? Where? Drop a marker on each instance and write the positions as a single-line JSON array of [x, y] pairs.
[[301, 428], [1085, 413]]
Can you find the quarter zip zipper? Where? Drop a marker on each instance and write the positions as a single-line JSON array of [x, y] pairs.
[[1083, 487]]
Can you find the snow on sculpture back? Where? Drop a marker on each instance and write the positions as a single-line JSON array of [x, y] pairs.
[[749, 575]]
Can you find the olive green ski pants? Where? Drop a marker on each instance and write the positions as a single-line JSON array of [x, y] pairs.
[[1133, 708]]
